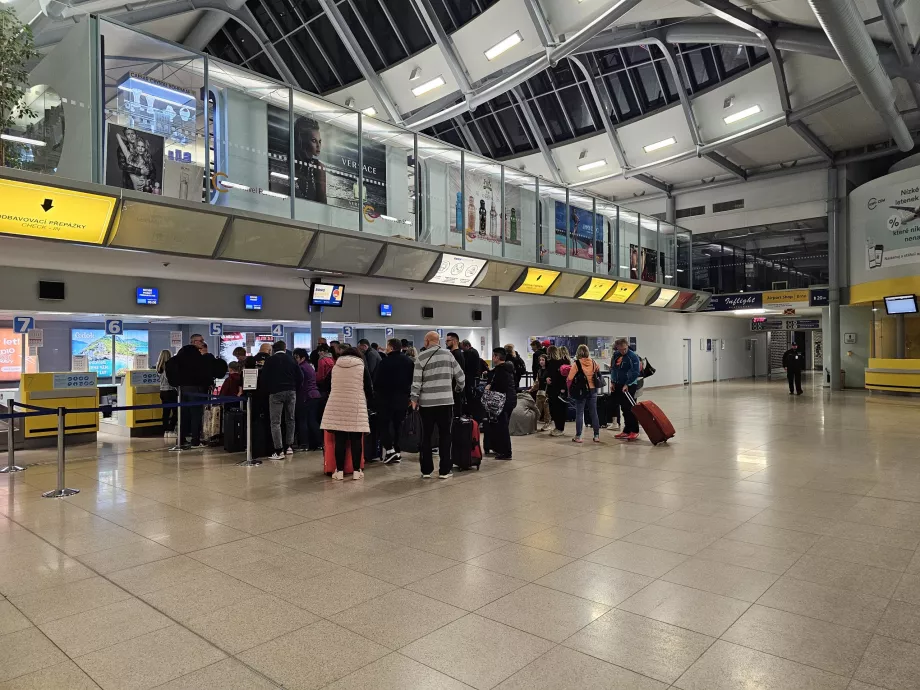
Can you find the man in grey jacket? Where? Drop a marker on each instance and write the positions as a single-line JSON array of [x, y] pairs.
[[434, 380]]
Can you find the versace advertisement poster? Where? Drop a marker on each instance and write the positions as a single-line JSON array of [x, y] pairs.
[[643, 263], [133, 159], [479, 215], [325, 164]]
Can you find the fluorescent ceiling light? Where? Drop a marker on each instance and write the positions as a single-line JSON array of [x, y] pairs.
[[370, 111], [280, 176], [504, 45], [664, 143], [590, 166], [741, 114], [430, 85], [21, 140]]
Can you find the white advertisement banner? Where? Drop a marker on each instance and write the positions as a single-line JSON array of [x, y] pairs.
[[885, 227]]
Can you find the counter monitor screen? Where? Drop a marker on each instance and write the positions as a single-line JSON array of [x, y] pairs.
[[901, 304], [326, 295], [253, 302], [386, 310], [596, 289], [536, 281], [148, 296]]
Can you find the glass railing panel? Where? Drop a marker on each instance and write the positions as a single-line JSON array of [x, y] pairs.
[[388, 157], [554, 223], [667, 247], [326, 170], [520, 216], [441, 207], [482, 188], [682, 261], [630, 265], [649, 254], [583, 243], [606, 219]]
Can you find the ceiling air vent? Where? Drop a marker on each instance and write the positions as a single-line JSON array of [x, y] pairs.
[[690, 212], [723, 206]]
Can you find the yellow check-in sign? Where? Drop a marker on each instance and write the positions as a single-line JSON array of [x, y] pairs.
[[33, 210]]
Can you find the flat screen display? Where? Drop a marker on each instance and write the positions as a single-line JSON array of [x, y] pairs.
[[663, 298], [386, 310], [326, 295], [622, 292], [148, 296], [537, 281], [96, 344], [10, 354], [253, 302], [457, 270], [901, 304], [596, 289]]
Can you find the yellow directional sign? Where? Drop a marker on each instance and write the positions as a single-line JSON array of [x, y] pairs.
[[33, 210]]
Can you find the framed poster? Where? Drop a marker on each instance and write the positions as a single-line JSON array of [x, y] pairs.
[[133, 159], [587, 239]]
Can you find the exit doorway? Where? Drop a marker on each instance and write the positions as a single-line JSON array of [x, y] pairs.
[[685, 359]]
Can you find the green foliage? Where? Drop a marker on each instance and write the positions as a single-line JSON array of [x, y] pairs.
[[17, 48]]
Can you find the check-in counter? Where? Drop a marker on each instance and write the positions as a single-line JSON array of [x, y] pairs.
[[71, 389], [139, 387], [893, 375]]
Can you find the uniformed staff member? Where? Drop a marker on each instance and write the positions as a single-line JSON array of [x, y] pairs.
[[794, 363]]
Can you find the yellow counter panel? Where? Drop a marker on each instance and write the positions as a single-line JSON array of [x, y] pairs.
[[71, 389], [893, 375], [143, 388]]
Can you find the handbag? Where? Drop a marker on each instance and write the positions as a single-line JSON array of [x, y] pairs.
[[599, 380], [494, 402], [410, 432]]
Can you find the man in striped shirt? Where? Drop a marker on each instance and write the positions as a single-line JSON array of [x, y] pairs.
[[434, 380]]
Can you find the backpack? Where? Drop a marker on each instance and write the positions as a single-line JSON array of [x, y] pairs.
[[579, 387], [648, 369]]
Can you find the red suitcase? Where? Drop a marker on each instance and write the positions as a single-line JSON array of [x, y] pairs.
[[329, 455], [653, 421]]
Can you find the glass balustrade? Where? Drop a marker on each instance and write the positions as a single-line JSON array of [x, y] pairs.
[[159, 119]]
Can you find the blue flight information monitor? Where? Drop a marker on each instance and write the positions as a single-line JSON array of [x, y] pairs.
[[148, 296], [253, 302], [386, 310]]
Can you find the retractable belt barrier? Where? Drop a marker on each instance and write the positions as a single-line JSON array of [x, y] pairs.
[[62, 412]]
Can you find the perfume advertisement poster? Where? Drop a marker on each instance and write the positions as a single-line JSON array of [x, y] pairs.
[[586, 240], [133, 159], [643, 263], [479, 215], [325, 163]]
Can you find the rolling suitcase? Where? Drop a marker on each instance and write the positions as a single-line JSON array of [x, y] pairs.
[[372, 450], [465, 450], [329, 455], [653, 421], [234, 430]]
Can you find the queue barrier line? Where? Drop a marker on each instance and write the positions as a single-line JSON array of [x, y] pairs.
[[63, 491]]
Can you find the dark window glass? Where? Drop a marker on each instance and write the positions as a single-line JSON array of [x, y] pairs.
[[734, 59], [664, 71], [624, 100], [335, 49], [580, 115], [760, 53], [540, 84], [303, 42], [514, 127], [650, 89], [609, 60], [302, 77], [409, 25], [220, 47], [497, 146], [702, 68], [636, 55], [261, 63], [370, 52], [282, 11], [308, 9], [558, 127], [562, 74], [265, 21], [242, 39], [380, 28]]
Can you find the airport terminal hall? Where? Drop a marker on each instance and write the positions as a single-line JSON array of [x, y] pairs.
[[460, 345]]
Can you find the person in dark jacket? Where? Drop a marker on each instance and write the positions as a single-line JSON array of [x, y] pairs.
[[193, 374], [556, 389], [624, 381], [392, 385], [452, 340], [314, 356], [537, 348], [281, 377], [501, 380], [794, 364], [472, 367], [306, 411], [514, 359], [371, 356]]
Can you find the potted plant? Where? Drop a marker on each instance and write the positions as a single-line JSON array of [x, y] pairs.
[[17, 48]]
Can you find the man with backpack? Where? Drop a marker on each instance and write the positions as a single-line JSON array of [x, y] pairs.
[[192, 373], [624, 378], [392, 385]]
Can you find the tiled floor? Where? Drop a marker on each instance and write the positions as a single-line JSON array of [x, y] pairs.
[[772, 544]]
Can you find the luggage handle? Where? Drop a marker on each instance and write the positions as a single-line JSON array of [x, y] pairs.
[[632, 400]]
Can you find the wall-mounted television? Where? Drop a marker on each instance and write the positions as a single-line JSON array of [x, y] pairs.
[[148, 296], [901, 304], [326, 295], [253, 302], [386, 309]]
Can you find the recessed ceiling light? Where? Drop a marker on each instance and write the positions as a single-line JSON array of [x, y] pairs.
[[741, 114], [430, 85], [21, 140], [664, 143], [504, 45], [370, 111], [594, 164]]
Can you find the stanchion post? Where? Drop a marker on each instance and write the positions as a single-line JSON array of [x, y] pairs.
[[11, 465], [179, 438], [61, 490], [249, 462]]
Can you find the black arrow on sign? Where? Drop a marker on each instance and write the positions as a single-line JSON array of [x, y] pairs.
[[47, 204]]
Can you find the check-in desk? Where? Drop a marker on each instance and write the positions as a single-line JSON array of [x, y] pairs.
[[72, 390], [893, 375], [138, 387]]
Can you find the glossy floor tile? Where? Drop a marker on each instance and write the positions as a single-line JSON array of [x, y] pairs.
[[771, 545]]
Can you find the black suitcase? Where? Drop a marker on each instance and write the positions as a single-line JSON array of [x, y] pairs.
[[261, 436], [372, 440], [234, 429], [465, 452]]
